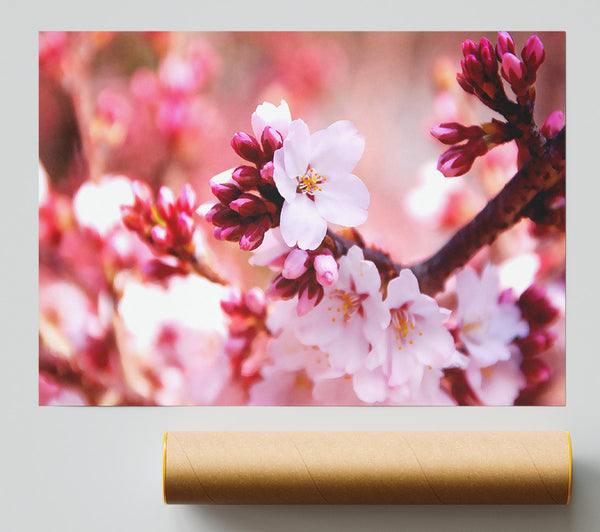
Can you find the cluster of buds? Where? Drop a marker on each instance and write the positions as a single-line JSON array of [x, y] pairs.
[[483, 68], [167, 224], [468, 143], [305, 274], [247, 313], [520, 73], [539, 313], [480, 73], [249, 203]]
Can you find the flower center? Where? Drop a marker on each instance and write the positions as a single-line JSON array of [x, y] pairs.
[[309, 183], [403, 323], [476, 330], [345, 304]]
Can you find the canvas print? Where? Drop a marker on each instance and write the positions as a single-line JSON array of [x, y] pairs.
[[303, 218]]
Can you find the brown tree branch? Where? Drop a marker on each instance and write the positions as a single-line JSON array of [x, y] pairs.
[[502, 212]]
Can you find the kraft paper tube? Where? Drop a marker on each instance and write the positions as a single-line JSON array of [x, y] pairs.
[[367, 467]]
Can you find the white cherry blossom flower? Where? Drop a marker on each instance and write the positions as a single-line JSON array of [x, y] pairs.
[[498, 384], [350, 318], [486, 325], [416, 337], [313, 174]]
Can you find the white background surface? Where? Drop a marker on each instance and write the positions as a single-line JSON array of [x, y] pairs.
[[93, 469]]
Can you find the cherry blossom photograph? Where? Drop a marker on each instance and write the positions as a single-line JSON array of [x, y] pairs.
[[302, 218]]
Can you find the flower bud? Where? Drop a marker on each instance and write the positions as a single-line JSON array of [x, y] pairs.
[[505, 44], [158, 270], [255, 233], [220, 214], [185, 228], [469, 47], [458, 159], [553, 124], [464, 83], [295, 264], [245, 176], [453, 132], [266, 173], [488, 57], [256, 301], [533, 53], [513, 71], [144, 198], [231, 231], [310, 295], [474, 68], [326, 269], [187, 199], [248, 205], [246, 147], [233, 301], [165, 203], [225, 192], [536, 370], [271, 141], [132, 219], [536, 308], [282, 288], [162, 236]]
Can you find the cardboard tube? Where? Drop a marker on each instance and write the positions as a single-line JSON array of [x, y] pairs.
[[367, 467]]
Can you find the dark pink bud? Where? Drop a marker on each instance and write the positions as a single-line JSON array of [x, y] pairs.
[[310, 295], [246, 176], [514, 71], [255, 233], [187, 199], [132, 219], [488, 57], [256, 301], [157, 270], [474, 68], [553, 124], [469, 47], [505, 45], [185, 228], [533, 344], [248, 205], [221, 215], [144, 198], [536, 370], [459, 159], [162, 236], [271, 141], [233, 302], [231, 232], [464, 84], [266, 173], [246, 147], [295, 264], [453, 132], [282, 288], [536, 308], [165, 203], [533, 53], [225, 192]]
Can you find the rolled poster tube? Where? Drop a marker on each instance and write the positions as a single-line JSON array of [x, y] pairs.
[[367, 467]]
